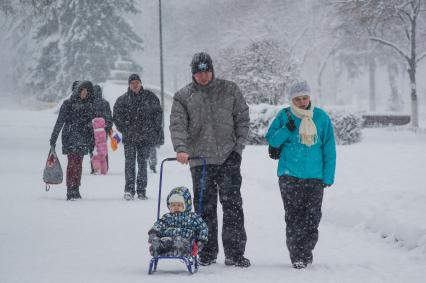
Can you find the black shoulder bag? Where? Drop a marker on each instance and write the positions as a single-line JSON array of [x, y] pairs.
[[274, 153]]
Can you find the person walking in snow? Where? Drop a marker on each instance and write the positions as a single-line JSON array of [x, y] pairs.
[[75, 121], [138, 116], [101, 110], [174, 232], [304, 134], [210, 118]]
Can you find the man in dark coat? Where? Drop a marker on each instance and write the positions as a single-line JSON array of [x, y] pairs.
[[138, 116], [74, 119], [210, 118], [101, 110]]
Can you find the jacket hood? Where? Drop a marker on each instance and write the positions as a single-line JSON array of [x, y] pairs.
[[84, 84], [97, 92], [184, 192]]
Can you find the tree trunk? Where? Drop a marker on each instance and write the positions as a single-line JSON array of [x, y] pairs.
[[319, 82], [413, 87], [334, 85], [321, 70], [372, 83], [395, 101], [412, 68]]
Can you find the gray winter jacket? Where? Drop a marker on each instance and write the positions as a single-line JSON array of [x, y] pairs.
[[209, 121]]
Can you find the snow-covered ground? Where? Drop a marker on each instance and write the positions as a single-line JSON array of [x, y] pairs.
[[373, 227]]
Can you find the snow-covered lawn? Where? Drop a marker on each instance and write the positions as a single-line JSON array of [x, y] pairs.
[[373, 227]]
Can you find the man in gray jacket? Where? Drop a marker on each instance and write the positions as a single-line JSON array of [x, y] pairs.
[[210, 118]]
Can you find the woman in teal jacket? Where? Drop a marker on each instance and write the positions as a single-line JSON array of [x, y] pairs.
[[304, 135]]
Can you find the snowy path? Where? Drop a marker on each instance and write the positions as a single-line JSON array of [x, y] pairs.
[[102, 238]]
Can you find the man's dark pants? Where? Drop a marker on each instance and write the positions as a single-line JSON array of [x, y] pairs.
[[133, 153], [302, 204], [224, 180]]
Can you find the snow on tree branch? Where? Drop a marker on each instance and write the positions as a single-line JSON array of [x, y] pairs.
[[393, 45], [422, 56]]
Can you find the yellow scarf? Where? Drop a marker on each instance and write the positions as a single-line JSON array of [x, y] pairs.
[[307, 128]]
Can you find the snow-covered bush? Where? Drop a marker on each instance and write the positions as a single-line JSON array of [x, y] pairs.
[[263, 70], [347, 127], [261, 115]]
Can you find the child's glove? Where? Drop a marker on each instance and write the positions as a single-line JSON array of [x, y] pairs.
[[153, 237], [200, 246], [116, 137]]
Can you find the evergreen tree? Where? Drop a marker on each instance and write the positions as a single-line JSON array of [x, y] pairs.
[[80, 40], [263, 70]]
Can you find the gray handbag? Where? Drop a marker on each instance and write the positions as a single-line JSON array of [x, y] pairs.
[[52, 174]]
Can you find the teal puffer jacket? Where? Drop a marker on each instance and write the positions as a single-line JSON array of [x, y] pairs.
[[298, 160]]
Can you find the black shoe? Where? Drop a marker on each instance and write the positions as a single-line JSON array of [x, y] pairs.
[[70, 195], [77, 193], [240, 261], [142, 196], [129, 196], [206, 261], [299, 264], [73, 194]]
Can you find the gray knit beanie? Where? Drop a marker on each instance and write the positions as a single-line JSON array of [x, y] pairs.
[[298, 89]]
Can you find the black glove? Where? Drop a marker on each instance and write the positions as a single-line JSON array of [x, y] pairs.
[[324, 185], [153, 234], [290, 125], [153, 237]]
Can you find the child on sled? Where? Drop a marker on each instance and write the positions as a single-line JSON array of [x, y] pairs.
[[175, 232]]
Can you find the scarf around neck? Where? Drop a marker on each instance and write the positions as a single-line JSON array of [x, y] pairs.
[[307, 128]]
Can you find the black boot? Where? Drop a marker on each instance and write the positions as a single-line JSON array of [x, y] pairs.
[[70, 194], [73, 193], [77, 193]]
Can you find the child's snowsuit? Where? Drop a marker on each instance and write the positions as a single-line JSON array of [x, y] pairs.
[[99, 158], [174, 232]]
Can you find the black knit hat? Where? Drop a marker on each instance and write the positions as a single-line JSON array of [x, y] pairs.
[[201, 62], [134, 77]]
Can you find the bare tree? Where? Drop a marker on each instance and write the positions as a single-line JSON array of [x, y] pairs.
[[395, 24]]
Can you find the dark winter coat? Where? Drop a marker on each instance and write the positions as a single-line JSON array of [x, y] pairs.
[[210, 121], [187, 224], [138, 116], [102, 108], [75, 121]]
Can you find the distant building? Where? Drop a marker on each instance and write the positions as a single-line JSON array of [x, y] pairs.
[[123, 69]]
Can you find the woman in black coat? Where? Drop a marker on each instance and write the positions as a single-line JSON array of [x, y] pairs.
[[75, 121]]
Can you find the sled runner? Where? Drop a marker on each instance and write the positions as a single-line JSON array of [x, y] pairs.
[[191, 260]]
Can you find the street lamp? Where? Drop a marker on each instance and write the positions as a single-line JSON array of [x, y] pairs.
[[161, 60]]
